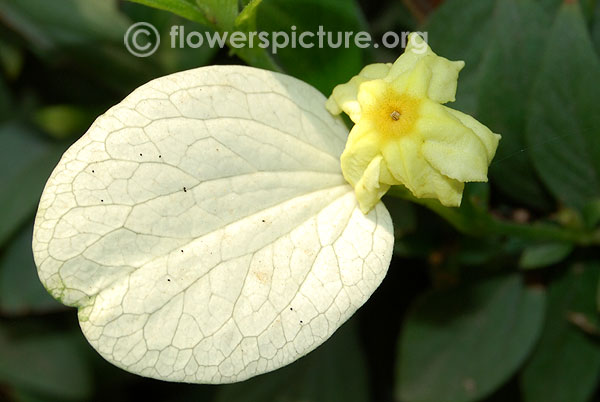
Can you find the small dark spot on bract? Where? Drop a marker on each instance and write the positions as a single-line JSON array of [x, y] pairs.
[[291, 309], [101, 200], [168, 280], [93, 171], [300, 321], [185, 190], [140, 154], [160, 156], [263, 220], [182, 251]]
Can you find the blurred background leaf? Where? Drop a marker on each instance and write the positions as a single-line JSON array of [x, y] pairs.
[[460, 30], [26, 160], [49, 365], [189, 9], [321, 376], [461, 344], [563, 130], [512, 58], [51, 25], [596, 28], [20, 290], [321, 67], [565, 366], [496, 81], [542, 255]]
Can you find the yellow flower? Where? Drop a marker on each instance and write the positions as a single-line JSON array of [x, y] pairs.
[[403, 135]]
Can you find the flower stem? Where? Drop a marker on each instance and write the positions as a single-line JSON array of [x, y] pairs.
[[479, 222]]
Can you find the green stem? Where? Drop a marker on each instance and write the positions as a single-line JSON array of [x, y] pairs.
[[544, 231], [481, 223]]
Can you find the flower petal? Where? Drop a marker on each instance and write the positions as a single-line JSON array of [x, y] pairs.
[[415, 173], [488, 138], [343, 97], [415, 82], [450, 146], [369, 188], [361, 148], [442, 86]]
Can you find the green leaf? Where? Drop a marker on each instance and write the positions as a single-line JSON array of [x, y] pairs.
[[596, 28], [323, 68], [48, 25], [565, 366], [322, 376], [461, 344], [20, 289], [26, 162], [542, 255], [591, 214], [252, 53], [588, 8], [563, 130], [173, 54], [83, 37], [46, 364], [178, 59], [184, 8], [512, 58], [492, 55], [466, 38], [247, 18], [223, 17], [221, 13]]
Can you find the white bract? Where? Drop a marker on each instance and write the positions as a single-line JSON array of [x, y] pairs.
[[204, 230]]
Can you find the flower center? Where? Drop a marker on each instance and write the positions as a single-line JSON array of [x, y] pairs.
[[393, 114]]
